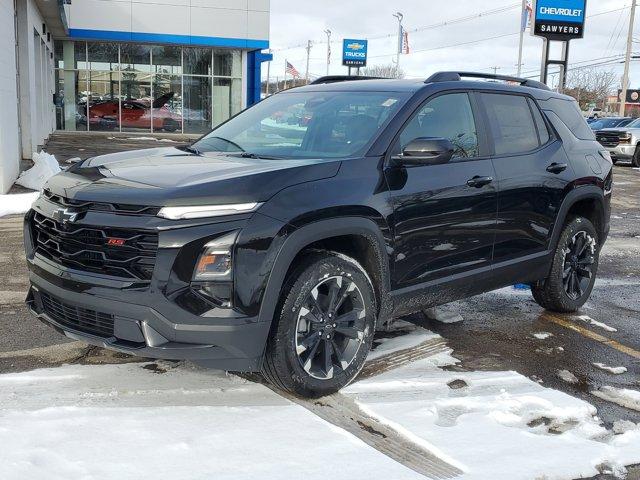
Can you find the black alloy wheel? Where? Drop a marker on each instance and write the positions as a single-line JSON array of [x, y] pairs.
[[330, 328], [324, 327], [573, 271], [578, 262]]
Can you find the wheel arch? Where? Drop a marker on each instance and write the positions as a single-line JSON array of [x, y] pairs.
[[587, 201], [359, 238]]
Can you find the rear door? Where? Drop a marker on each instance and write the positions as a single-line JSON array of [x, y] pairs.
[[444, 215], [532, 172]]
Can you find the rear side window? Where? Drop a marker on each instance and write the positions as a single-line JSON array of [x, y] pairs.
[[543, 131], [570, 114], [512, 125]]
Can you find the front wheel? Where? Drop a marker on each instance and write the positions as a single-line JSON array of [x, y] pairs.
[[635, 161], [574, 268], [325, 326]]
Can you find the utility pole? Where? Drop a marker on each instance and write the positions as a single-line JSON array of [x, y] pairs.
[[399, 16], [627, 61], [306, 75], [495, 70], [328, 32], [523, 27]]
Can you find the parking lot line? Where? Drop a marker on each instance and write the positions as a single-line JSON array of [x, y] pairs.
[[591, 335]]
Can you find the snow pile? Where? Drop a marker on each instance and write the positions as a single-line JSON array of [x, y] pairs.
[[614, 370], [17, 203], [116, 421], [501, 426], [543, 335], [44, 167], [567, 376], [622, 396], [443, 314], [404, 336]]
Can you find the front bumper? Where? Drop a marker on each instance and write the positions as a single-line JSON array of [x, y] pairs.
[[222, 343], [622, 151]]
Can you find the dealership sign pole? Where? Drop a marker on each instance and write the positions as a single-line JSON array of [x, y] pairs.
[[562, 21]]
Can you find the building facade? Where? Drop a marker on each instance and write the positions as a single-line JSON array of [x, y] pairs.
[[135, 66]]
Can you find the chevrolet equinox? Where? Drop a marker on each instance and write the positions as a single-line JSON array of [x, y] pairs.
[[281, 240]]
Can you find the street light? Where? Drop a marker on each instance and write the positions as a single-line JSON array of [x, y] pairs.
[[399, 16], [328, 32]]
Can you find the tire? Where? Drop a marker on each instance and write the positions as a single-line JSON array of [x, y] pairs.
[[296, 359], [614, 161], [635, 161], [170, 125], [574, 269]]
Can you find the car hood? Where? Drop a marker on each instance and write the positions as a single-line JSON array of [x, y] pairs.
[[173, 177], [619, 130]]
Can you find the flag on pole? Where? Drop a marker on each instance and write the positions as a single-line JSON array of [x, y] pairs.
[[527, 15], [405, 43], [291, 70]]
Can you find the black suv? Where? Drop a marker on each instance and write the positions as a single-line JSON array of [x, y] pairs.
[[281, 240]]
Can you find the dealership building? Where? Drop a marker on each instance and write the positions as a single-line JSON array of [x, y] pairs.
[[134, 66]]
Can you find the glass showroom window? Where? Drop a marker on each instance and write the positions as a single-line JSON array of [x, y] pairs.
[[145, 88]]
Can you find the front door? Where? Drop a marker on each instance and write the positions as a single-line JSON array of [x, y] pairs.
[[444, 215]]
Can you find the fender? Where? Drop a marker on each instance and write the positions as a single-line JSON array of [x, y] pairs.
[[321, 230], [581, 193]]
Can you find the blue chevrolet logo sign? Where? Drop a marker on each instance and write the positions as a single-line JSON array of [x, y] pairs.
[[354, 53]]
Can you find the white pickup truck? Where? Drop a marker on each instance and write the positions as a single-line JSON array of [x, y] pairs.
[[622, 142]]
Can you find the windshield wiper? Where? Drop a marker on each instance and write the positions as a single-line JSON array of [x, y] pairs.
[[230, 142], [257, 156]]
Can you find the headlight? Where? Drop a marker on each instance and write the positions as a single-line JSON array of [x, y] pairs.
[[203, 211], [625, 137], [215, 261]]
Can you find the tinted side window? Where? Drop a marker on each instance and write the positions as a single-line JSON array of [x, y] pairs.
[[512, 124], [543, 131], [570, 114], [447, 116]]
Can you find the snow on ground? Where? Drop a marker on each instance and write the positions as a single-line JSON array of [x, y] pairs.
[[116, 421], [501, 426], [16, 204], [408, 336], [567, 376], [622, 396], [614, 370], [543, 335], [595, 323]]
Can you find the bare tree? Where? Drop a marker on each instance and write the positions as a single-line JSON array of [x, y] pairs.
[[589, 85], [384, 71]]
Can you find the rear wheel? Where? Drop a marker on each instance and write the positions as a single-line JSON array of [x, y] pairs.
[[574, 269], [170, 125], [325, 327]]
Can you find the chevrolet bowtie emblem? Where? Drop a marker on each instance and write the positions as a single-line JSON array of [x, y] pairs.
[[64, 216]]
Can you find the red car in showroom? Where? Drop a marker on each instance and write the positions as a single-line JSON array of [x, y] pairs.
[[136, 113]]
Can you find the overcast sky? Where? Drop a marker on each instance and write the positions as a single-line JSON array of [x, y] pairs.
[[295, 22]]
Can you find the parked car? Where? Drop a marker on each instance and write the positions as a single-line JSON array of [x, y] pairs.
[[263, 249], [622, 143], [610, 122]]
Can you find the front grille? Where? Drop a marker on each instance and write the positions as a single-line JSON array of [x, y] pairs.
[[77, 318], [117, 208], [609, 140], [86, 248]]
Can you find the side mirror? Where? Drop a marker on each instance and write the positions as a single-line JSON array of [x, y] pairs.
[[426, 151]]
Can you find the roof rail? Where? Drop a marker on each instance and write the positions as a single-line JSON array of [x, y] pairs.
[[341, 78], [457, 76]]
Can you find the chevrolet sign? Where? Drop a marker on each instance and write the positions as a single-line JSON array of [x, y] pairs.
[[559, 19], [354, 53]]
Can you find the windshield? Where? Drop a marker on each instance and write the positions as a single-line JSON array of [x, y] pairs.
[[306, 125], [634, 124], [608, 123]]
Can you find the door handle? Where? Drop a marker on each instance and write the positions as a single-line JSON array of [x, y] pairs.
[[479, 182], [557, 167]]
